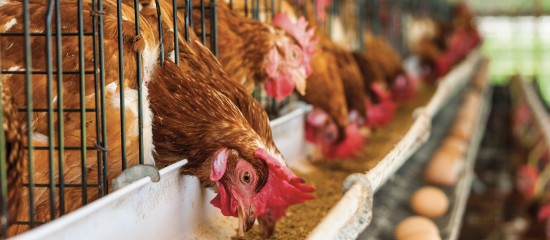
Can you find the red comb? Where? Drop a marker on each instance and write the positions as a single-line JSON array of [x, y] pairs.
[[283, 188], [527, 178], [382, 112], [349, 147], [544, 212], [321, 10], [303, 36]]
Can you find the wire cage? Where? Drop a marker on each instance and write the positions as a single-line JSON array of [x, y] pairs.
[[60, 69]]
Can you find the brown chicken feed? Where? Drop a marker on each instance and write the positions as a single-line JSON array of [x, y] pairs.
[[329, 176]]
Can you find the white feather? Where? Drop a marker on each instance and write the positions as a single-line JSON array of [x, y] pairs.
[[149, 56], [40, 138], [10, 23]]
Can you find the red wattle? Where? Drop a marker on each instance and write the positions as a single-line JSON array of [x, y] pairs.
[[349, 147]]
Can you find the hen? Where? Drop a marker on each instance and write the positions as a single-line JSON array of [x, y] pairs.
[[110, 146], [381, 54], [204, 71], [440, 45], [13, 144], [253, 52], [334, 67], [222, 149]]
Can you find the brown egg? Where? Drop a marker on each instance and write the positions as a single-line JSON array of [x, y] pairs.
[[444, 168], [465, 117], [415, 226], [455, 143], [423, 236], [429, 202], [463, 130]]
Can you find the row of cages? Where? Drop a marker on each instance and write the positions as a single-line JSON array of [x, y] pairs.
[[58, 85]]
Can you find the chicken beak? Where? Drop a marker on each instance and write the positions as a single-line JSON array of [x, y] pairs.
[[300, 82]]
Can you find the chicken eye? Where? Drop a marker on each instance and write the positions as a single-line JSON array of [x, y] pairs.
[[246, 178], [293, 54], [330, 135]]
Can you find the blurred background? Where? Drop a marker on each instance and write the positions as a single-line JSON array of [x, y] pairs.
[[517, 39]]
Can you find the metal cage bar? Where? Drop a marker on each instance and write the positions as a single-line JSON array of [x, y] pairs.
[[3, 174], [29, 106], [96, 98], [176, 31], [60, 117], [83, 136], [139, 86], [121, 85], [105, 160], [161, 33], [51, 130]]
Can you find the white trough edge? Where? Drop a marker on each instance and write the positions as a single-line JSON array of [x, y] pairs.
[[176, 207], [463, 187], [336, 224]]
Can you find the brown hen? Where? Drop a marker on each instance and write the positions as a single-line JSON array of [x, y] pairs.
[[12, 55]]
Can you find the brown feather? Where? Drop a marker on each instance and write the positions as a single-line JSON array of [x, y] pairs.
[[15, 138], [207, 122], [12, 55]]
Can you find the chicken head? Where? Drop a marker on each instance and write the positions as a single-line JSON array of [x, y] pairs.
[[322, 131], [243, 194], [288, 62]]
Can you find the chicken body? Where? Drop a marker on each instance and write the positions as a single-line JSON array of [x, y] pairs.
[[198, 62], [12, 55], [256, 53], [14, 142], [213, 134], [203, 72]]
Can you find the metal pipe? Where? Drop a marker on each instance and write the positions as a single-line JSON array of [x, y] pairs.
[[121, 85], [29, 106], [176, 31], [187, 19], [214, 27], [60, 117], [49, 87], [139, 81], [3, 173], [203, 24], [161, 33], [96, 99], [102, 98], [83, 136]]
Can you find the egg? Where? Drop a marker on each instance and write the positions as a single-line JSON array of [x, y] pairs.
[[462, 130], [416, 226], [423, 236], [444, 167], [429, 202], [455, 143]]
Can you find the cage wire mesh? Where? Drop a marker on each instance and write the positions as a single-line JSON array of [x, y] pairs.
[[54, 65]]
